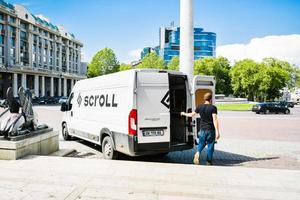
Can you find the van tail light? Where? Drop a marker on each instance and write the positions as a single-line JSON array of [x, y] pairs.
[[132, 122]]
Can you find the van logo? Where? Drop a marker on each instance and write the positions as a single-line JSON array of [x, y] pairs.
[[79, 100], [166, 100]]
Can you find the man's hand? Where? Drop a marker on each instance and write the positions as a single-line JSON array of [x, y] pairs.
[[182, 113], [218, 136]]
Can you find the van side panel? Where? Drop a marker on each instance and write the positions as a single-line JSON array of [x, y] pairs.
[[102, 104]]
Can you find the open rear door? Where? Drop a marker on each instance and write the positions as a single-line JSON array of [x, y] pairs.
[[153, 110], [202, 85]]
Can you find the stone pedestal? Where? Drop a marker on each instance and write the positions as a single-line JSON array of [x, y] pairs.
[[42, 142]]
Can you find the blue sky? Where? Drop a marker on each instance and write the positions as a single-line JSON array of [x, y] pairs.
[[129, 25]]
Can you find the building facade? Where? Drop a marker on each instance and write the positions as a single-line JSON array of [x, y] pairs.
[[169, 39], [36, 54]]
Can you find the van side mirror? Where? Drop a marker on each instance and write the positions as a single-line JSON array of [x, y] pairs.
[[64, 107]]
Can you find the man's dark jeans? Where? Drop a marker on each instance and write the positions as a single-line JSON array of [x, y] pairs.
[[207, 137]]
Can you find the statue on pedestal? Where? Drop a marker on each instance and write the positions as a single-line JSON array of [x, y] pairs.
[[15, 123]]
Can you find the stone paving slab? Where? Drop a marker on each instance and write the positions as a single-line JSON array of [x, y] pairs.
[[38, 177]]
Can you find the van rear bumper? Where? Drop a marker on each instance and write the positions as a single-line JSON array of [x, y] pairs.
[[140, 149]]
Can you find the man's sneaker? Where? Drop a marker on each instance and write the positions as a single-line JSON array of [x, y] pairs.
[[196, 160]]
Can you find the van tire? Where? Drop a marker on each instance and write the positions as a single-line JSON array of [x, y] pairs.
[[108, 149], [287, 111], [65, 132]]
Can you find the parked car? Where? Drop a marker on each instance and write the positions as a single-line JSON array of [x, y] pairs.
[[267, 108], [3, 103], [286, 103], [47, 100]]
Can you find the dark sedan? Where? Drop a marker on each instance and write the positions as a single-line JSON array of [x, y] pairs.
[[267, 108]]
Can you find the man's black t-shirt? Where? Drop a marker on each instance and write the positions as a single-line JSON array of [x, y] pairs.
[[206, 111]]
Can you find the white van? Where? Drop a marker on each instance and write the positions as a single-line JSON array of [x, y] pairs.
[[135, 112]]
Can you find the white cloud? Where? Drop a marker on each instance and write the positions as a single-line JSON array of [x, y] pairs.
[[132, 55], [135, 53], [284, 47]]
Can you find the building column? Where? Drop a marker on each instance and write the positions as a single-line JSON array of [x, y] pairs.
[[51, 86], [59, 86], [15, 85], [24, 81], [72, 83], [65, 87], [30, 49], [36, 85], [43, 86]]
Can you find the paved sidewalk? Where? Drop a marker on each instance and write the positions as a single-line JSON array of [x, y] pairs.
[[38, 177], [229, 152]]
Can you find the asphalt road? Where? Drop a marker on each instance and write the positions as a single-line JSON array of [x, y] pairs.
[[248, 125], [233, 124]]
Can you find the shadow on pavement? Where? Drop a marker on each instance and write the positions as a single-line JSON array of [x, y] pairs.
[[221, 158]]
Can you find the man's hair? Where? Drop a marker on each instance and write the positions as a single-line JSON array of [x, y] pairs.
[[207, 96]]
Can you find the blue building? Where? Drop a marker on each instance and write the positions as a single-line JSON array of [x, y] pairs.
[[169, 39]]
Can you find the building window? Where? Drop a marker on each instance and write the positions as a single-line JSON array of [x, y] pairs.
[[12, 52], [23, 35], [2, 16], [12, 61], [1, 39], [23, 25], [12, 19], [13, 42]]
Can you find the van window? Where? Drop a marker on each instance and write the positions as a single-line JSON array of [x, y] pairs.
[[70, 101]]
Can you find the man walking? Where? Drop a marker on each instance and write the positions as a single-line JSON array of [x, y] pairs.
[[209, 128]]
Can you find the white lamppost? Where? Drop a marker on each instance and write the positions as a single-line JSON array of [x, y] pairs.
[[187, 38]]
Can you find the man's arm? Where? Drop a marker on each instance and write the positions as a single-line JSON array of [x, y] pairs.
[[192, 114], [216, 124]]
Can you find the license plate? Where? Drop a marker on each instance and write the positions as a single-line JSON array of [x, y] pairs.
[[149, 133]]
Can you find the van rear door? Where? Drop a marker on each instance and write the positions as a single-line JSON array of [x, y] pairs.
[[202, 85], [153, 110]]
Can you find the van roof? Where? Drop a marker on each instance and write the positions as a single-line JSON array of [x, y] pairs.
[[121, 77]]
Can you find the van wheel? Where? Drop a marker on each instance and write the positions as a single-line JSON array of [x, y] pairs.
[[287, 111], [108, 150], [65, 132]]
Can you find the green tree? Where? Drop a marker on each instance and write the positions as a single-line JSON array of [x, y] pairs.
[[174, 64], [152, 60], [297, 77], [218, 67], [104, 62], [277, 75], [246, 78], [124, 67]]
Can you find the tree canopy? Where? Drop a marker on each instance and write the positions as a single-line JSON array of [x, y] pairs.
[[261, 81], [152, 60], [104, 62], [247, 78], [174, 64], [124, 67], [218, 67]]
